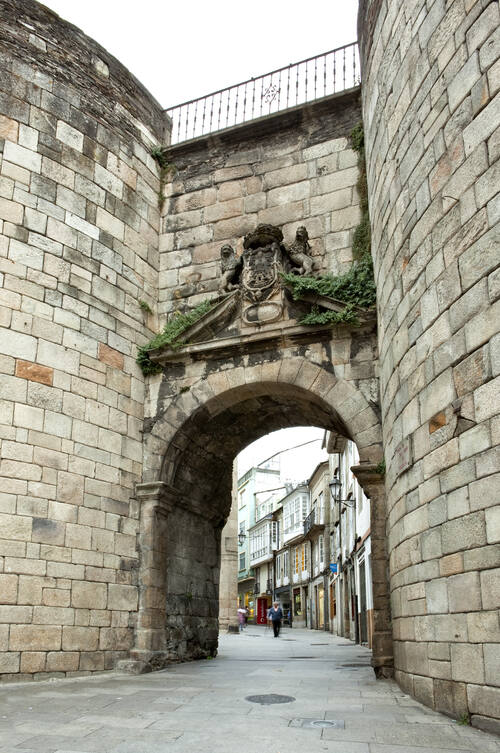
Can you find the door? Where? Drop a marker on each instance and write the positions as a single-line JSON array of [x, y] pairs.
[[262, 610], [321, 608]]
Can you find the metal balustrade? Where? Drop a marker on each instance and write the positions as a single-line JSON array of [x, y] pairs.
[[309, 521], [295, 84]]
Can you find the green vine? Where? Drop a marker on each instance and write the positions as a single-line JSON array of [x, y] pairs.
[[144, 305], [170, 335], [166, 169], [356, 287], [361, 242], [381, 468], [347, 316]]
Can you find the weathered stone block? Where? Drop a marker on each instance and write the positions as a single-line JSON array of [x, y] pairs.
[[117, 639], [80, 638], [464, 593], [62, 661], [9, 662], [35, 638], [490, 588], [33, 661], [89, 595], [15, 527], [491, 663], [450, 697], [47, 531], [53, 616], [483, 700], [484, 492], [34, 372], [122, 597], [8, 588], [436, 593], [467, 663], [466, 532]]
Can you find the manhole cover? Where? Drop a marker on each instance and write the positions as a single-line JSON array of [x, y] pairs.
[[266, 700], [318, 723]]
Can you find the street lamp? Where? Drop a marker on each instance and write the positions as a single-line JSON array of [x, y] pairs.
[[241, 538], [335, 491]]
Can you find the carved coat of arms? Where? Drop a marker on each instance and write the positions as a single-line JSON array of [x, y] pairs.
[[262, 263], [256, 273]]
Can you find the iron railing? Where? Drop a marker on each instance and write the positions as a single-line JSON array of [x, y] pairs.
[[309, 521], [295, 84], [315, 518]]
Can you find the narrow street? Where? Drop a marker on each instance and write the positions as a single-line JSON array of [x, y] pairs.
[[203, 707]]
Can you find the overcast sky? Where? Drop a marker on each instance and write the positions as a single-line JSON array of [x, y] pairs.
[[298, 463], [183, 50]]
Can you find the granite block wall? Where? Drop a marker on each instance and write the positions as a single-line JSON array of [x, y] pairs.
[[431, 112], [292, 169], [78, 249]]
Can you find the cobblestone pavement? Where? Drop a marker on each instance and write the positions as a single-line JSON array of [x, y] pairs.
[[202, 707]]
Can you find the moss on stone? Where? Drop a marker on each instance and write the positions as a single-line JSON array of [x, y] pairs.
[[170, 335]]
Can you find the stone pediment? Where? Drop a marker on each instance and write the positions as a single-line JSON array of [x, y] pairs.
[[254, 307]]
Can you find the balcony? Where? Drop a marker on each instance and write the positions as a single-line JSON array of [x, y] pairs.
[[265, 554], [317, 77], [314, 523]]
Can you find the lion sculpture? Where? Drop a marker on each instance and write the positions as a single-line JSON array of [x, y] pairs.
[[230, 266], [299, 253]]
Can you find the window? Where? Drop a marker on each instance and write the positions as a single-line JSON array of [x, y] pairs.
[[297, 606], [296, 560], [274, 534], [286, 563], [321, 548], [305, 507], [242, 560], [260, 541], [279, 566], [242, 499]]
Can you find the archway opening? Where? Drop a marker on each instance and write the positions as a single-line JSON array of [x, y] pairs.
[[183, 513]]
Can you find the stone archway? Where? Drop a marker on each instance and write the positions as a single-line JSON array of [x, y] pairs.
[[205, 414]]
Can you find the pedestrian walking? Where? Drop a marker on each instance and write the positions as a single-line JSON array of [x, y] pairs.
[[242, 613], [276, 615]]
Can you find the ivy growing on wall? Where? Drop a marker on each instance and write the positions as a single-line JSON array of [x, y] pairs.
[[361, 243], [170, 335], [357, 286]]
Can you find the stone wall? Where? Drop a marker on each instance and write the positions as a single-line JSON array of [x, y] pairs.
[[431, 110], [291, 169], [78, 251]]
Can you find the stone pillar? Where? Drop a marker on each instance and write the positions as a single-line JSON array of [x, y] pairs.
[[149, 652], [228, 584], [372, 483]]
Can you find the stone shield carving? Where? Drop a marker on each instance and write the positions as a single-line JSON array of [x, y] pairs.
[[262, 263]]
